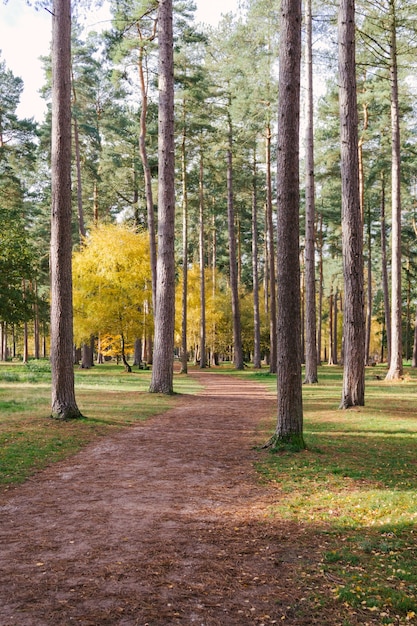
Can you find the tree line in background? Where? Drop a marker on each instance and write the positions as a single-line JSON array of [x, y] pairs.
[[232, 248]]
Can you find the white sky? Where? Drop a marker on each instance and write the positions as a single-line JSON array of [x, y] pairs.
[[25, 35]]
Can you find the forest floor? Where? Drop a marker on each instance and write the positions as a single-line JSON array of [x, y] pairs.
[[166, 523]]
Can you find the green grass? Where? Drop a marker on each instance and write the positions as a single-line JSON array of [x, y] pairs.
[[354, 491], [108, 397]]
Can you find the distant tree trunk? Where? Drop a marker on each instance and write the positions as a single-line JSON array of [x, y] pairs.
[[137, 352], [184, 352], [331, 335], [408, 307], [310, 235], [271, 259], [255, 276], [25, 343], [234, 283], [335, 325], [81, 224], [414, 358], [163, 357], [63, 392], [85, 356], [202, 264], [384, 271], [395, 371], [321, 281], [123, 353], [289, 384], [145, 165], [36, 337], [369, 292], [353, 393]]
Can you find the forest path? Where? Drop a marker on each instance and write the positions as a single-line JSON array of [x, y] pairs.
[[162, 523]]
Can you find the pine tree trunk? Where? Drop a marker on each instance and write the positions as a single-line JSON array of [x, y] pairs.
[[234, 283], [202, 264], [163, 355], [289, 385], [147, 172], [255, 276], [310, 269], [414, 357], [63, 393], [184, 295], [335, 324], [395, 371], [271, 260], [369, 294], [353, 393], [384, 272], [321, 281]]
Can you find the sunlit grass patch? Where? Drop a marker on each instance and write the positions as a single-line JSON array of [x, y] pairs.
[[356, 484]]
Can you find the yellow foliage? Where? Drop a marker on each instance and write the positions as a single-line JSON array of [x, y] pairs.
[[112, 283], [218, 309]]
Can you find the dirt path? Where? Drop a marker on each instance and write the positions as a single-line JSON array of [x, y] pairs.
[[163, 523]]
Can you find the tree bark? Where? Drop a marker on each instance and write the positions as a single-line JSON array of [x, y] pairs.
[[271, 259], [353, 392], [184, 295], [63, 393], [255, 273], [146, 168], [395, 371], [163, 357], [234, 286], [310, 269], [202, 264], [384, 272], [289, 385]]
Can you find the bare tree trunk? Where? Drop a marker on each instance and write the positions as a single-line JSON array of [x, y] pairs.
[[81, 224], [255, 276], [271, 260], [335, 324], [414, 357], [321, 281], [310, 235], [184, 354], [36, 320], [331, 349], [63, 392], [384, 272], [145, 165], [395, 371], [123, 351], [353, 393], [289, 385], [163, 357], [202, 264], [234, 282], [369, 293]]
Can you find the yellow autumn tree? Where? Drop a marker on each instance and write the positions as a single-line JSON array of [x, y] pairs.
[[112, 287]]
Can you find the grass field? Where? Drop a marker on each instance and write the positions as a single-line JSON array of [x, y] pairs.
[[355, 488]]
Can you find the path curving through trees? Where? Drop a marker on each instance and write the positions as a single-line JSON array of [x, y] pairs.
[[163, 523]]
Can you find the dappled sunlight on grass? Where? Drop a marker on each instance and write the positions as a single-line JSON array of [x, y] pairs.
[[356, 485]]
